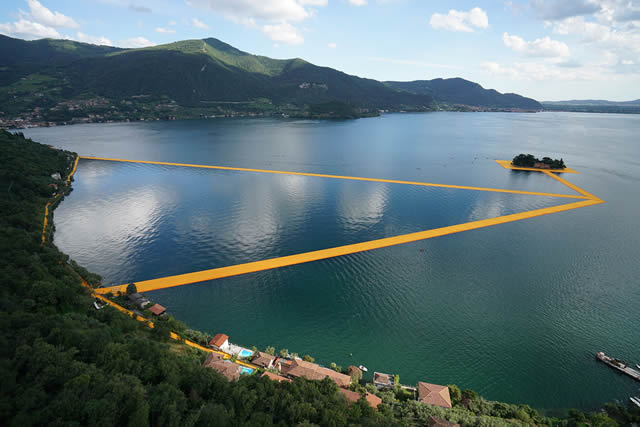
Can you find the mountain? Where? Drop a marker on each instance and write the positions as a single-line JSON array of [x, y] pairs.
[[61, 80], [459, 91], [593, 102]]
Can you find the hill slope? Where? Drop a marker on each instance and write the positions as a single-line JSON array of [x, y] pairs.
[[62, 80], [463, 92]]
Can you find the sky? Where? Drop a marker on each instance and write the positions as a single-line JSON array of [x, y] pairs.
[[545, 49]]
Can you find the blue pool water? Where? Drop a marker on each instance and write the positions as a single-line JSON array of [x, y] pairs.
[[246, 371], [245, 353]]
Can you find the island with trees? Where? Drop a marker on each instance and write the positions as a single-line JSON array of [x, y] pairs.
[[530, 161]]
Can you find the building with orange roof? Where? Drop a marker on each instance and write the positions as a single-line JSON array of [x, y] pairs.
[[220, 341], [311, 371], [434, 394], [229, 370], [353, 397], [274, 377], [157, 310]]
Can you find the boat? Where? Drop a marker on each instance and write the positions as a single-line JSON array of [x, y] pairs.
[[363, 368], [620, 365], [637, 366], [635, 400]]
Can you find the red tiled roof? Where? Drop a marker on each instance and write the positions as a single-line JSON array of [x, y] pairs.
[[218, 340], [381, 378], [434, 394], [274, 377], [157, 309], [353, 396], [229, 370], [311, 371], [263, 359]]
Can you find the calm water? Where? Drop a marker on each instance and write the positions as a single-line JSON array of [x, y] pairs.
[[514, 311]]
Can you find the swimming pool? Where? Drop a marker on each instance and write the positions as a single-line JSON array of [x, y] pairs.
[[245, 353], [246, 371]]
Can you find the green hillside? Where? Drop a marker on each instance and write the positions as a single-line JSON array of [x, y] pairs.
[[65, 81], [458, 91]]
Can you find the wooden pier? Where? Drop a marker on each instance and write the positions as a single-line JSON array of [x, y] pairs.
[[619, 365]]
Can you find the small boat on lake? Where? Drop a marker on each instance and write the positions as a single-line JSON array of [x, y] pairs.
[[363, 368]]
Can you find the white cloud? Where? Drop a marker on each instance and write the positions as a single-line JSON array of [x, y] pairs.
[[560, 9], [358, 2], [460, 21], [136, 42], [172, 23], [273, 17], [332, 45], [544, 47], [28, 30], [164, 30], [267, 10], [44, 16], [542, 72], [628, 62], [85, 38], [283, 32], [199, 24]]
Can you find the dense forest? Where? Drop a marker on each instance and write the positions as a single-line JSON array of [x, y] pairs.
[[65, 363], [530, 161]]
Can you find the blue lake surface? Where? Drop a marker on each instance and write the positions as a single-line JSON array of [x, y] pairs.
[[514, 311]]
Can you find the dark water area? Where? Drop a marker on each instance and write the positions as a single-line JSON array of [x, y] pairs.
[[514, 311]]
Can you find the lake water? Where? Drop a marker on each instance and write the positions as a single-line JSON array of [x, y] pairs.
[[514, 311]]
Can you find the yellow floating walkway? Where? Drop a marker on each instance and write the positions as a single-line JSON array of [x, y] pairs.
[[587, 199], [353, 178], [251, 267], [46, 207], [508, 165]]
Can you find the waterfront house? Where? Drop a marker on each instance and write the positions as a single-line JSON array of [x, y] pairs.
[[264, 360], [229, 370], [434, 394], [220, 341], [540, 165], [274, 377], [353, 397], [157, 310], [139, 300], [311, 371], [383, 381]]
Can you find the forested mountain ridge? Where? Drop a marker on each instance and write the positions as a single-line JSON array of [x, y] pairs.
[[457, 91], [61, 80]]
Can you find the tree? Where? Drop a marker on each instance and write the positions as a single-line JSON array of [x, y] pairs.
[[270, 350], [132, 289], [284, 352], [455, 393], [308, 358]]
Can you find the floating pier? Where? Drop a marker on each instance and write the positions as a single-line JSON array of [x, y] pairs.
[[619, 365]]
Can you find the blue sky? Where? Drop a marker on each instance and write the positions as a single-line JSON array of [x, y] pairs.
[[546, 49]]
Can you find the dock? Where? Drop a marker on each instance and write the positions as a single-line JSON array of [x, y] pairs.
[[619, 365]]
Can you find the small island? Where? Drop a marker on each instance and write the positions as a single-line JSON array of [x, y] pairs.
[[529, 161]]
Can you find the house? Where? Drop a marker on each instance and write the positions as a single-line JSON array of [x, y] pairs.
[[229, 370], [434, 394], [541, 165], [383, 381], [274, 377], [220, 341], [311, 371], [264, 360], [139, 300], [157, 310], [439, 422], [353, 397]]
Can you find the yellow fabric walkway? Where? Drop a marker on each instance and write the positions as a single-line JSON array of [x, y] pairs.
[[587, 199]]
